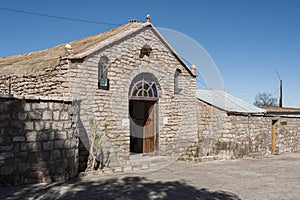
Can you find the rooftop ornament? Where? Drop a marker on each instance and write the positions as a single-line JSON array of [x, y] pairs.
[[68, 49], [148, 17], [193, 69]]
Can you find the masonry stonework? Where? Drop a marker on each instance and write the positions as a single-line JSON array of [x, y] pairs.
[[229, 136], [38, 141], [52, 81], [78, 79], [111, 107]]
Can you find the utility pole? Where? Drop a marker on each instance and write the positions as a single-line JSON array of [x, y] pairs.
[[280, 97]]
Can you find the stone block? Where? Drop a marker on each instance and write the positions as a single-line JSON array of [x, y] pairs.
[[58, 144], [22, 116], [31, 136], [44, 155], [6, 147], [47, 125], [23, 147], [55, 154], [36, 106], [57, 106], [68, 124], [16, 148], [64, 115], [47, 115], [57, 125], [43, 136], [48, 145], [50, 135], [6, 155], [34, 115], [34, 146], [39, 125], [61, 135], [27, 107], [18, 139], [29, 125]]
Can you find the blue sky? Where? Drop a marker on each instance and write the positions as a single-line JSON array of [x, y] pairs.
[[247, 40]]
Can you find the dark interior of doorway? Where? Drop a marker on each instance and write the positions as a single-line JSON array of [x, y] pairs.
[[142, 126]]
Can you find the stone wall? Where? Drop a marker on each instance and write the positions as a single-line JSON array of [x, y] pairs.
[[233, 136], [288, 137], [52, 81], [38, 141]]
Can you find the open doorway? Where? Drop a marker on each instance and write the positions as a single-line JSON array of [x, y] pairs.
[[143, 98], [274, 143], [142, 126]]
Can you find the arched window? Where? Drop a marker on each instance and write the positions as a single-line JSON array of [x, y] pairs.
[[176, 81], [103, 81], [143, 87]]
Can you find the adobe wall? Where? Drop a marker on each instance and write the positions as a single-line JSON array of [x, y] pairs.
[[177, 113], [235, 136], [38, 141]]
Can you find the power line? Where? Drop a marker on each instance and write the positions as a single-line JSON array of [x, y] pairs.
[[58, 17]]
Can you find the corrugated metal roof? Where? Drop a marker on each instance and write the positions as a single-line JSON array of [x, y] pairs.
[[227, 102]]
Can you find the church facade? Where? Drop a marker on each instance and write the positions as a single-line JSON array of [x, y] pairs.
[[121, 93]]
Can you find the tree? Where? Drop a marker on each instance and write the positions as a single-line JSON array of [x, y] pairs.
[[265, 99]]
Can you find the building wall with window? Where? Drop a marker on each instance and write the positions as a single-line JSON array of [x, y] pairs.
[[127, 59], [101, 81]]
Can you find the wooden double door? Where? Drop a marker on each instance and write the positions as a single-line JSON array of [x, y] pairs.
[[142, 126]]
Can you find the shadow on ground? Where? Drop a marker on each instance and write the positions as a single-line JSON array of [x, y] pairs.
[[114, 188]]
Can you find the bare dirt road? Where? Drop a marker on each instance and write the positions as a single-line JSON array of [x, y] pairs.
[[275, 177]]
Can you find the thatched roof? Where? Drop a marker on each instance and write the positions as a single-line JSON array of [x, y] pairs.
[[37, 61]]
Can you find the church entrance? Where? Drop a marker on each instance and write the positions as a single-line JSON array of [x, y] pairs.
[[143, 115]]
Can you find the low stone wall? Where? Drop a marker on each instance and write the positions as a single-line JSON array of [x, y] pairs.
[[38, 140], [234, 136]]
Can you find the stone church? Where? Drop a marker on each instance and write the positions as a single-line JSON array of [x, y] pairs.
[[130, 87], [128, 80]]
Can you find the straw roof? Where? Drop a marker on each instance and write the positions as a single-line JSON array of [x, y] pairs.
[[37, 61]]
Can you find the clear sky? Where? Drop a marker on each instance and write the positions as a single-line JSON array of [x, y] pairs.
[[247, 39]]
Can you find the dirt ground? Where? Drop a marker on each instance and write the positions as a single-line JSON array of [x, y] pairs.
[[275, 177]]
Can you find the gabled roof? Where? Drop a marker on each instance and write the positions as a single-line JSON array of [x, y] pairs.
[[40, 60], [226, 102]]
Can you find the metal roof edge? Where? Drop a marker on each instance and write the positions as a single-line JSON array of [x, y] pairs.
[[240, 105]]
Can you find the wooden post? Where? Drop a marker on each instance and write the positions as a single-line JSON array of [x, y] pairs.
[[273, 136]]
